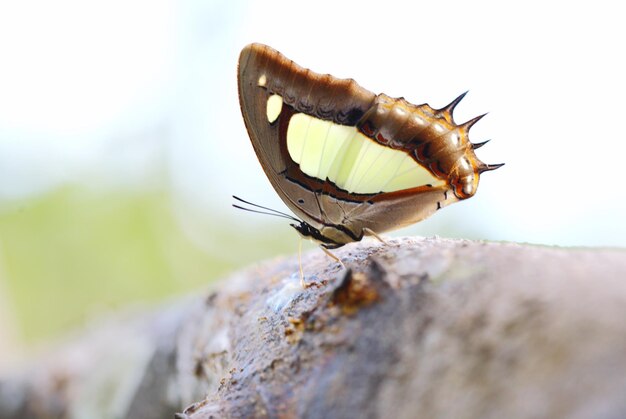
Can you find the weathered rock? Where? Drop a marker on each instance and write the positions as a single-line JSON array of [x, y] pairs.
[[416, 328]]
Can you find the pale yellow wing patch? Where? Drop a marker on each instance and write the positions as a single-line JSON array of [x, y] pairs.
[[274, 106], [313, 146], [349, 159], [338, 135]]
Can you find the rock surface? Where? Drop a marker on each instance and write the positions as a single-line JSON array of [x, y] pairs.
[[415, 328]]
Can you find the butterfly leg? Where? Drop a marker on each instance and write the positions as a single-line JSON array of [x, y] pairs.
[[302, 282], [369, 232], [333, 257]]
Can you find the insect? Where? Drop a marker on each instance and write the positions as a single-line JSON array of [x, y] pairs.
[[347, 162]]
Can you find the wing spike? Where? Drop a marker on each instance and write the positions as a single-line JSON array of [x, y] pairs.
[[488, 167], [449, 108], [469, 124], [476, 146]]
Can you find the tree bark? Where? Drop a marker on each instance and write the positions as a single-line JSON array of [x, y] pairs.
[[414, 328]]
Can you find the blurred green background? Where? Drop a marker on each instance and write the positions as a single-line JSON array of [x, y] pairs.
[[74, 252], [121, 139]]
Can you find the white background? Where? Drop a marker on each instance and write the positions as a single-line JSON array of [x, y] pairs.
[[99, 92]]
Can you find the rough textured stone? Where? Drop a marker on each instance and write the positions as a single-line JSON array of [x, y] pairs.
[[415, 328]]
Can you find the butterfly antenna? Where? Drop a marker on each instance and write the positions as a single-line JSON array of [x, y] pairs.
[[268, 211], [264, 212]]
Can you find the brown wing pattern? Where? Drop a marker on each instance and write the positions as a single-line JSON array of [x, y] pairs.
[[326, 97], [323, 96]]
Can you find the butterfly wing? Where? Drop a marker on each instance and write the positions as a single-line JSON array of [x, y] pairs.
[[262, 73], [344, 159]]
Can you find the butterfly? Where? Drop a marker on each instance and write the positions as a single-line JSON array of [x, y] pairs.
[[347, 162]]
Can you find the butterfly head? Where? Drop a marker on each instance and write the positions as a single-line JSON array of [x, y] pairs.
[[307, 231]]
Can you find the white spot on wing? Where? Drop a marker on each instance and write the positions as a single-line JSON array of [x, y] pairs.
[[262, 80], [454, 138], [465, 165], [418, 120]]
